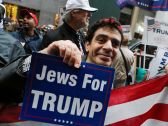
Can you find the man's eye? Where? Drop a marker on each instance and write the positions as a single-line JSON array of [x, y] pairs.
[[115, 43], [101, 40]]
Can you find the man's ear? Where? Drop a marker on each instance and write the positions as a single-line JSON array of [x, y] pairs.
[[87, 46]]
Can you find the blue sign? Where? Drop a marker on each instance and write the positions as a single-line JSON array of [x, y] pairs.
[[59, 94], [146, 4]]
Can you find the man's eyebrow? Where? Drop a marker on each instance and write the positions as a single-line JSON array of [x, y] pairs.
[[102, 35], [105, 36]]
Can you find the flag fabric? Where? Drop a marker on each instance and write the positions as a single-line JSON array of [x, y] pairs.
[[152, 24], [9, 116], [143, 104]]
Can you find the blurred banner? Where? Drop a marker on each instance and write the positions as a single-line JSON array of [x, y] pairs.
[[155, 32], [146, 4], [127, 31], [11, 11], [159, 62]]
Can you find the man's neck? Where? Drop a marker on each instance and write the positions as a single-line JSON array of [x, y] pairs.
[[30, 32]]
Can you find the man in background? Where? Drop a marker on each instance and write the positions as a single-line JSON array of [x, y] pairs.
[[77, 15], [28, 34], [122, 64], [10, 51]]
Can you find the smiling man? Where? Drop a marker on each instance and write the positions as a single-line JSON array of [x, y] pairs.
[[102, 41]]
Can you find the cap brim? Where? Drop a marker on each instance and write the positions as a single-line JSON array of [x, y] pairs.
[[24, 12], [91, 9]]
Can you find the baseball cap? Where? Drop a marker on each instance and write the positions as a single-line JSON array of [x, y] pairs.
[[27, 12], [79, 4]]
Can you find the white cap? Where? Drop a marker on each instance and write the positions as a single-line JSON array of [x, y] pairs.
[[79, 4]]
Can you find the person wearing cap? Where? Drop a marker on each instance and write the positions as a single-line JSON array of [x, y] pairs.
[[76, 17], [28, 34]]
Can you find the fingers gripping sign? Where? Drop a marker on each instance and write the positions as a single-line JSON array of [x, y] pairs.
[[66, 49]]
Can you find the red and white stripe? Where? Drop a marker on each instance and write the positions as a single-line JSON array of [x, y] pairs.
[[144, 104]]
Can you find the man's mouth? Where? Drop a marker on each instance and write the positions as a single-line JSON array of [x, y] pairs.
[[105, 57]]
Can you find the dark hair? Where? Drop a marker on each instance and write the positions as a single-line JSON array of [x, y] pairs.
[[106, 22]]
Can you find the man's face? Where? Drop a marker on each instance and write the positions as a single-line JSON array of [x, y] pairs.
[[28, 22], [82, 18], [103, 46]]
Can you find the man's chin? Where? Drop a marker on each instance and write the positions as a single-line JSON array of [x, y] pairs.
[[104, 64]]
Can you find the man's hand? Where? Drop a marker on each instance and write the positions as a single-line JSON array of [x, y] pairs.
[[67, 49]]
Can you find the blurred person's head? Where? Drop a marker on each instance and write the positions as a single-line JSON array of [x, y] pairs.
[[102, 41], [125, 41], [78, 13], [30, 20], [20, 22], [9, 25]]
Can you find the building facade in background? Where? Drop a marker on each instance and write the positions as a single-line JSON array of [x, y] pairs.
[[47, 11], [50, 12]]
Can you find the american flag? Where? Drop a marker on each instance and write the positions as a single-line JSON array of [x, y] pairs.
[[152, 24], [143, 104]]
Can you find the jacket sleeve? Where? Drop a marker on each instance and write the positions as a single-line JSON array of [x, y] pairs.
[[11, 82], [45, 41]]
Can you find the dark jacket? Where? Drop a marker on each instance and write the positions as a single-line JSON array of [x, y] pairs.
[[31, 44], [64, 32], [11, 55]]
